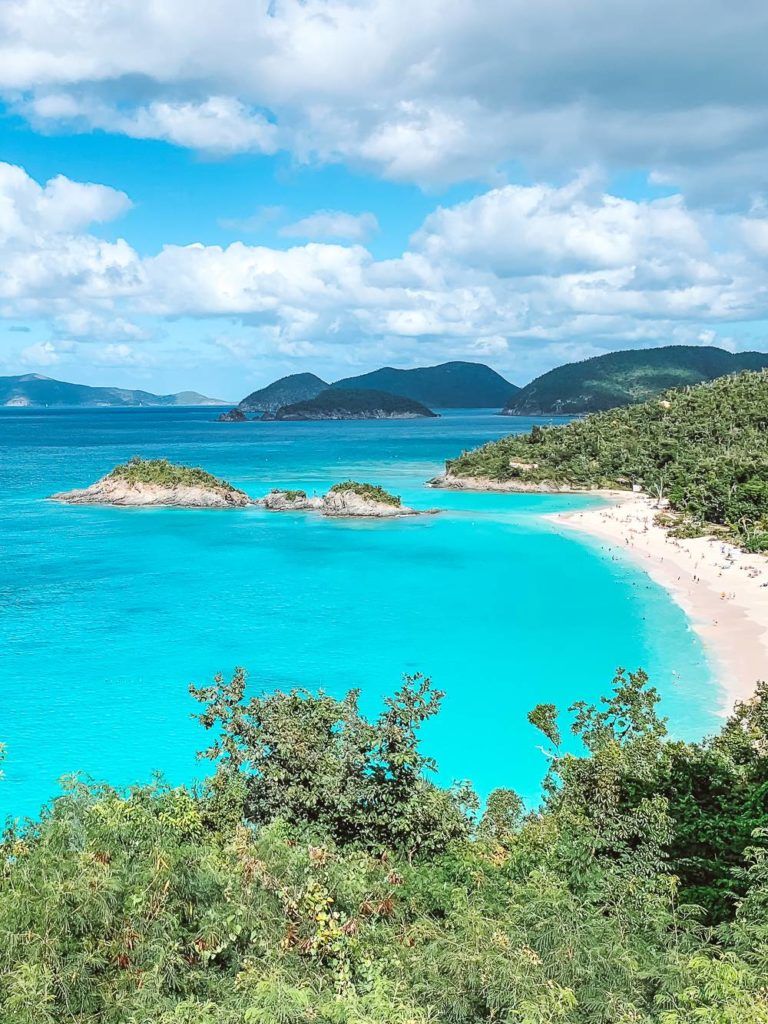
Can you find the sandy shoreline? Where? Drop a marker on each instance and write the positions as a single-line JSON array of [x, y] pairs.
[[722, 590]]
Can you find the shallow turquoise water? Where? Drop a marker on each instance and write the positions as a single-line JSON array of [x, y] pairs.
[[106, 615]]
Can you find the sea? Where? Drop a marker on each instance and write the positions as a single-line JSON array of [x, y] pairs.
[[107, 614]]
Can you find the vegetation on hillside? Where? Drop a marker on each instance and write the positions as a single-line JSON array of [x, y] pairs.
[[625, 378], [295, 388], [321, 877], [454, 385], [294, 495], [704, 448], [167, 474], [337, 403], [373, 492]]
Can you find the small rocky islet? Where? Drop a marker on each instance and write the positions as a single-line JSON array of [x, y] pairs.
[[158, 483], [347, 499]]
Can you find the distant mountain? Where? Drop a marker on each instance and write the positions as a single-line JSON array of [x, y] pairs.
[[296, 388], [346, 404], [455, 385], [31, 389], [625, 378]]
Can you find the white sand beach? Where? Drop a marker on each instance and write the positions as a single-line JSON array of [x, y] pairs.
[[723, 590]]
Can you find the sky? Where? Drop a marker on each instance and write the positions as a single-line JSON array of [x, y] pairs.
[[207, 196]]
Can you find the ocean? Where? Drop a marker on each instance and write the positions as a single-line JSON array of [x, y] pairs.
[[108, 614]]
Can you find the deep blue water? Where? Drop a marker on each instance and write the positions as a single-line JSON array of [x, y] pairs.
[[106, 615]]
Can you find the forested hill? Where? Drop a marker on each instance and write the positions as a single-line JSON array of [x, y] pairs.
[[349, 404], [703, 448], [297, 387], [624, 378], [455, 385]]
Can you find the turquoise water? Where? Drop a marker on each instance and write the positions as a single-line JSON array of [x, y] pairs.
[[108, 614]]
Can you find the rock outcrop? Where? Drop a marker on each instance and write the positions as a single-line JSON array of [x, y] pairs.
[[341, 503], [233, 416], [361, 501], [451, 482], [289, 501], [114, 491], [160, 484]]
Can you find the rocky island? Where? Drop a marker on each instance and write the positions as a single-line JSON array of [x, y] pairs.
[[347, 404], [289, 501], [298, 387], [235, 415], [347, 499], [157, 483]]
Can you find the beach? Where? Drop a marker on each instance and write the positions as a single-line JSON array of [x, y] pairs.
[[723, 590]]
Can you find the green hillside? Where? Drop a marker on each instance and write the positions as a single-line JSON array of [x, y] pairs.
[[295, 388], [704, 448], [349, 404], [624, 378], [455, 385]]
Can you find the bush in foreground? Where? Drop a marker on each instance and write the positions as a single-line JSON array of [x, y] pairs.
[[289, 891]]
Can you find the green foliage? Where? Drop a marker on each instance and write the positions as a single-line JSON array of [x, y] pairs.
[[343, 403], [295, 495], [295, 388], [168, 906], [704, 448], [454, 385], [544, 718], [370, 491], [714, 793], [314, 759], [626, 378], [166, 474]]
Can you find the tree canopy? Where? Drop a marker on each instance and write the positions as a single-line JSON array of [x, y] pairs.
[[321, 877], [703, 448]]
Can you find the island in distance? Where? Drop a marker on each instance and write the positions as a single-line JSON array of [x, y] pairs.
[[343, 404], [603, 382], [380, 394], [298, 387], [31, 390], [343, 500], [158, 483]]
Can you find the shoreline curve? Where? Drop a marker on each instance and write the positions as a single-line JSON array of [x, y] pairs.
[[722, 589]]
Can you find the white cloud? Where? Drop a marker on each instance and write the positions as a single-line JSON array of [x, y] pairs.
[[333, 225], [44, 353], [426, 91], [551, 267], [119, 355], [540, 229], [58, 206], [86, 325], [219, 124]]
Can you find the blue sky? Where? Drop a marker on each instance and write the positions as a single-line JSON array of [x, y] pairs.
[[338, 184]]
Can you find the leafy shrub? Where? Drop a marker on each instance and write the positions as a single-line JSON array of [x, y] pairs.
[[703, 448], [166, 474], [295, 495], [167, 905]]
